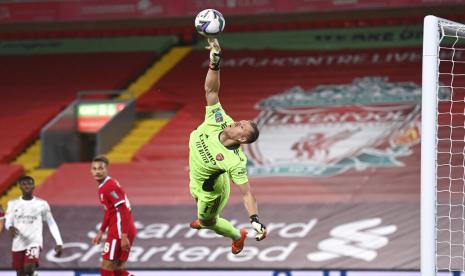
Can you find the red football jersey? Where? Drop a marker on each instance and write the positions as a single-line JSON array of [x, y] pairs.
[[118, 215]]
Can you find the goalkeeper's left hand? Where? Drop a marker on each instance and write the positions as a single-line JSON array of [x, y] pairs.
[[215, 53], [259, 228]]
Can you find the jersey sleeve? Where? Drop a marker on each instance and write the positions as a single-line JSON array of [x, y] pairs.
[[46, 213], [123, 215], [215, 118], [52, 225], [114, 195], [238, 174]]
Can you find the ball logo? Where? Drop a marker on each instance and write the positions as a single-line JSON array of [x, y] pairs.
[[219, 157]]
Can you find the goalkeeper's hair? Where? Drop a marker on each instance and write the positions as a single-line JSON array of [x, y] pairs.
[[26, 178], [254, 135], [101, 158]]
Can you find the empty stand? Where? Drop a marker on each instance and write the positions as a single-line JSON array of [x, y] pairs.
[[8, 174], [36, 87]]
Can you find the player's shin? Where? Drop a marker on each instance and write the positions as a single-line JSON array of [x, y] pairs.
[[225, 228]]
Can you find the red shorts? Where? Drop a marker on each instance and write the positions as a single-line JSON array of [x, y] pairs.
[[112, 248], [25, 257]]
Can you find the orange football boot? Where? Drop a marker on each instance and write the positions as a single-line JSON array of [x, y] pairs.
[[195, 224], [238, 245]]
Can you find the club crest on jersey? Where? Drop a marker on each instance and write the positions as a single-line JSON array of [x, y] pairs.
[[330, 129], [114, 194], [219, 157], [218, 115]]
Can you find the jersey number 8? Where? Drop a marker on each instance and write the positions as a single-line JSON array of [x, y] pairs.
[[106, 247]]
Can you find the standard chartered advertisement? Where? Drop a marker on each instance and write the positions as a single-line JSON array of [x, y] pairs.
[[359, 236]]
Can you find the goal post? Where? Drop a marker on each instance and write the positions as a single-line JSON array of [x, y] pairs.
[[428, 145], [443, 147]]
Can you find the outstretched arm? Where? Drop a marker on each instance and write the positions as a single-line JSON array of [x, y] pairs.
[[212, 81], [250, 204]]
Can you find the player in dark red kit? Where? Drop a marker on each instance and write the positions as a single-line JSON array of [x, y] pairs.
[[2, 219], [118, 219]]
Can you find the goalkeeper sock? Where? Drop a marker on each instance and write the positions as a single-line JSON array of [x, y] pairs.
[[225, 229], [104, 272]]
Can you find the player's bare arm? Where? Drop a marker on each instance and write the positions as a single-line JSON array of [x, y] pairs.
[[103, 227], [212, 80], [97, 238], [248, 198], [13, 231], [125, 244], [58, 250], [250, 204]]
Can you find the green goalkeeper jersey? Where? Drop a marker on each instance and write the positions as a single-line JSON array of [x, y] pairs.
[[209, 160]]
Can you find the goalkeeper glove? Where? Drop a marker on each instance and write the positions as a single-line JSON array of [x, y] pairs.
[[215, 53], [258, 227]]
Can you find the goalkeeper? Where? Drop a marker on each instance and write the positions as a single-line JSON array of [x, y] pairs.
[[215, 157]]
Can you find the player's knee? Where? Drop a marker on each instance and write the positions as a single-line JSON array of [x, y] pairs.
[[120, 265], [208, 222], [109, 265]]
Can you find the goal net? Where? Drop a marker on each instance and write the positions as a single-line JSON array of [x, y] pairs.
[[443, 147]]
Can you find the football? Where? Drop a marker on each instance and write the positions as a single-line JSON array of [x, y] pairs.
[[209, 22]]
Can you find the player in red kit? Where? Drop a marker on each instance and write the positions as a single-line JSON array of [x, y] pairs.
[[2, 219], [117, 218]]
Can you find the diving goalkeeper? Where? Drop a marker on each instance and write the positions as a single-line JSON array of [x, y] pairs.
[[216, 157]]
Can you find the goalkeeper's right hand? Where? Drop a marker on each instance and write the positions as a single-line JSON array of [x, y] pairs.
[[215, 53], [259, 228]]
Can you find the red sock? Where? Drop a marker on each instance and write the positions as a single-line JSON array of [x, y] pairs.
[[122, 272], [104, 272]]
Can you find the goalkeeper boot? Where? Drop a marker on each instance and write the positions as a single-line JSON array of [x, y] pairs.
[[195, 224], [238, 245]]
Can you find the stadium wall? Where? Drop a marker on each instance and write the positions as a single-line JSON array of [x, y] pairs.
[[59, 11]]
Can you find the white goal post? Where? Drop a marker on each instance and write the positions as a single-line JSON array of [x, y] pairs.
[[443, 147]]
